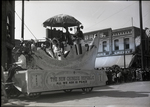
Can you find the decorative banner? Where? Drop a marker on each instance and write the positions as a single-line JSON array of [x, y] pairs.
[[67, 79], [137, 40], [51, 80]]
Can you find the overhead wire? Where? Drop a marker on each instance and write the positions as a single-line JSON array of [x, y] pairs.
[[112, 15], [101, 14], [26, 26], [12, 9], [126, 23]]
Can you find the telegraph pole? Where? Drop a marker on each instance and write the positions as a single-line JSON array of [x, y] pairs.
[[132, 21], [22, 28], [141, 33], [124, 53]]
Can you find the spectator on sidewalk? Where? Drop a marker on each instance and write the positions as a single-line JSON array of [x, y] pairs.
[[119, 77]]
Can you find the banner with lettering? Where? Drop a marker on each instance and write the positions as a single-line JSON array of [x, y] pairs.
[[44, 80]]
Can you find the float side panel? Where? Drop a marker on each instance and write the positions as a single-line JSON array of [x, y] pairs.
[[44, 80], [20, 80]]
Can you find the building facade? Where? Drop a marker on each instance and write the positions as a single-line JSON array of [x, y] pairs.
[[118, 47], [7, 31]]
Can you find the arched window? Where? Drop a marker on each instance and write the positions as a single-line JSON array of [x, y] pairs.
[[104, 46], [116, 44], [126, 43]]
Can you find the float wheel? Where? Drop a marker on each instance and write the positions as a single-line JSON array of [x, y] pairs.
[[87, 89], [68, 91], [12, 91], [33, 95]]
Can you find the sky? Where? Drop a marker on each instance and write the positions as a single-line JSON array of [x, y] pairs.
[[94, 15]]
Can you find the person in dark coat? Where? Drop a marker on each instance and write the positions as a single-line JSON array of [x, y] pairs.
[[79, 34], [78, 37], [68, 37]]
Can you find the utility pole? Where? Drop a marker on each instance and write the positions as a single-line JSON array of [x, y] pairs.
[[141, 33], [22, 28], [124, 53], [132, 21]]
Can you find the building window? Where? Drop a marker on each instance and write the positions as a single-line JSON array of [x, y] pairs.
[[116, 44], [8, 27], [85, 37], [91, 37], [104, 46], [126, 43]]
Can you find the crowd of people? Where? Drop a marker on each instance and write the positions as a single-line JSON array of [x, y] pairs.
[[115, 74], [56, 46], [60, 45]]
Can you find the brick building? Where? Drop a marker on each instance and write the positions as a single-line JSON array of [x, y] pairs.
[[118, 47]]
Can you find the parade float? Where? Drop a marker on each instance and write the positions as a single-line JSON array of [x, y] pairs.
[[45, 73]]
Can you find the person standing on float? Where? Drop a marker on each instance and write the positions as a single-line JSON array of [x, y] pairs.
[[79, 36]]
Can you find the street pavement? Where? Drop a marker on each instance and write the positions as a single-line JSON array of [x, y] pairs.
[[133, 94]]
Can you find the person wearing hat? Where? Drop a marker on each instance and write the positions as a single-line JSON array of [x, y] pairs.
[[19, 65], [78, 37], [33, 46], [79, 33], [68, 37]]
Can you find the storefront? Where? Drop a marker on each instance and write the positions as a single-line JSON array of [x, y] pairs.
[[114, 60]]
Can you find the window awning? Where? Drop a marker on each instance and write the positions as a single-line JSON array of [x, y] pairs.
[[113, 60]]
